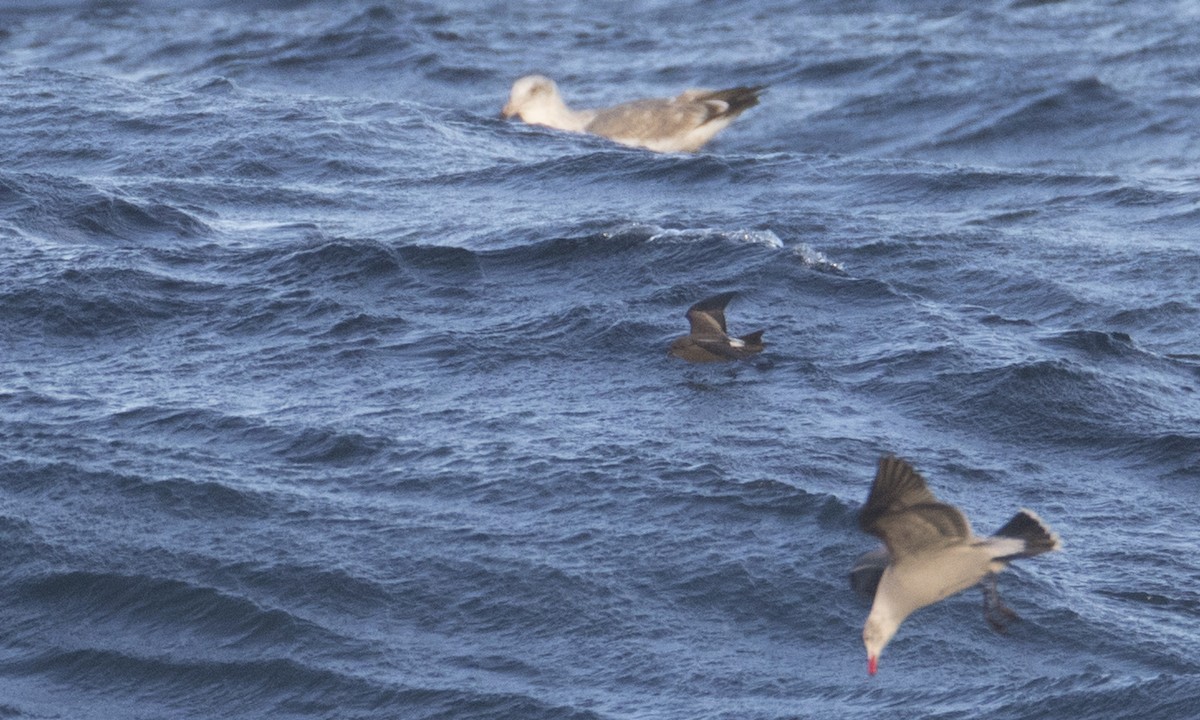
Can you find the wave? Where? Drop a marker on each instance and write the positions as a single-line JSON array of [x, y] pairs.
[[1168, 318], [99, 299], [158, 606], [297, 444], [1177, 453], [64, 208], [277, 686], [1076, 107], [122, 219], [1048, 401], [1090, 692], [177, 496], [101, 302], [1094, 344], [552, 156], [322, 446]]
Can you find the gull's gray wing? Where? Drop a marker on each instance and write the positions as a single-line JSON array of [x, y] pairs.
[[901, 511], [652, 118]]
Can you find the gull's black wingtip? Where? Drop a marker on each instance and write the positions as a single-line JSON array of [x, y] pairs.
[[1027, 527]]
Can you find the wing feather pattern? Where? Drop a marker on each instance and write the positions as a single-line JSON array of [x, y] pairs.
[[901, 511], [707, 317]]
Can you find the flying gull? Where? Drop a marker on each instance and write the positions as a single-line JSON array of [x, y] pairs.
[[708, 341], [931, 553], [679, 124]]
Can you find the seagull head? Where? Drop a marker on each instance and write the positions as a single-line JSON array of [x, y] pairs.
[[876, 634], [529, 96]]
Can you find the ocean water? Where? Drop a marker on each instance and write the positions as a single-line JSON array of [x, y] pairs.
[[325, 393]]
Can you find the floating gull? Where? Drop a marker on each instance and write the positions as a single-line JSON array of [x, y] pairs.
[[931, 553], [680, 124], [708, 341]]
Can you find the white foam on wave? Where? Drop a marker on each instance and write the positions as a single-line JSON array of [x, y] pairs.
[[766, 238], [810, 256], [816, 259]]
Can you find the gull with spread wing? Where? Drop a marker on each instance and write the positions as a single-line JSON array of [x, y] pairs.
[[931, 552], [708, 340]]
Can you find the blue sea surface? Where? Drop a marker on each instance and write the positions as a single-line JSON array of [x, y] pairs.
[[326, 393]]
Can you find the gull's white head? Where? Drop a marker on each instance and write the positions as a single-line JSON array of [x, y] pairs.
[[535, 99], [876, 634]]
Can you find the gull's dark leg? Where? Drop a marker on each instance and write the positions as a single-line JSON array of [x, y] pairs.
[[995, 611]]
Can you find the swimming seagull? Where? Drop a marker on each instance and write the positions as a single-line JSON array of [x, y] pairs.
[[679, 124], [708, 341], [932, 553]]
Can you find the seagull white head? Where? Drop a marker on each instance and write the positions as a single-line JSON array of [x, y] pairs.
[[535, 99], [876, 634]]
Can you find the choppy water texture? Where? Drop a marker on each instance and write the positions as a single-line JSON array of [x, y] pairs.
[[325, 393]]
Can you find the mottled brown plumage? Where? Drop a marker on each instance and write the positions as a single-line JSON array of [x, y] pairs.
[[708, 340]]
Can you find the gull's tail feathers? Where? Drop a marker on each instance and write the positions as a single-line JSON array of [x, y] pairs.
[[1034, 534], [739, 99], [754, 340]]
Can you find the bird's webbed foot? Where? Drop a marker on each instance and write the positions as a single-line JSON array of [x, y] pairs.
[[995, 611]]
